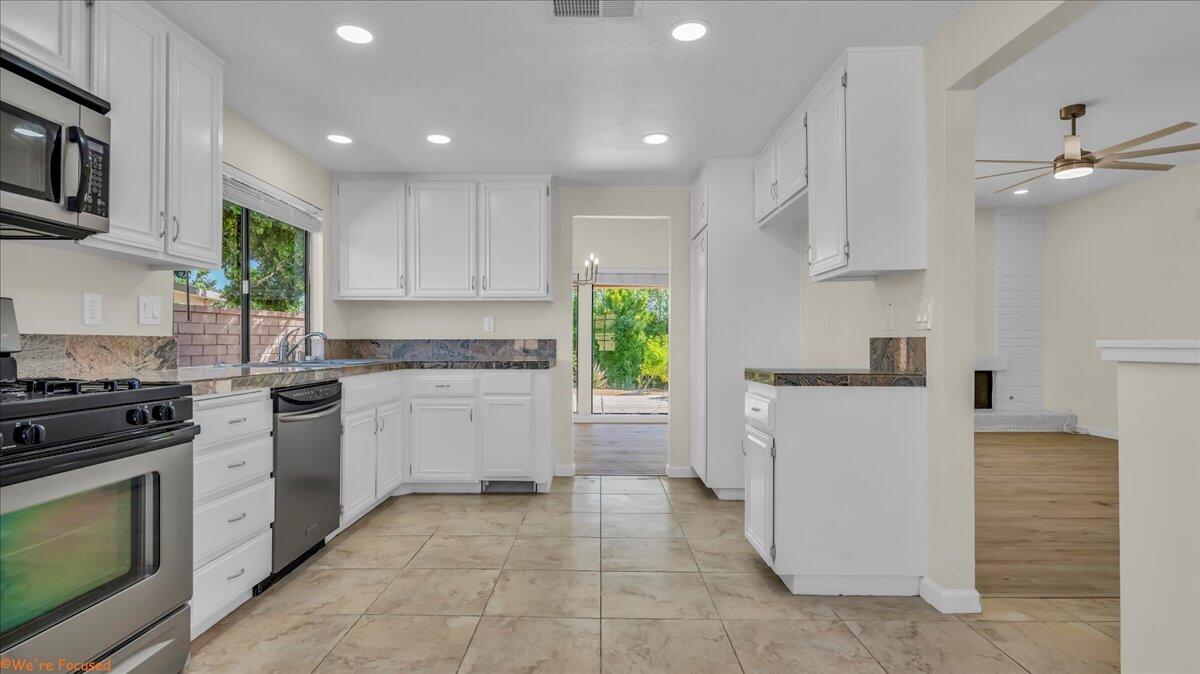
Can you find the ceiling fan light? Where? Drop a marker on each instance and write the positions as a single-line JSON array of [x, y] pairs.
[[1069, 171]]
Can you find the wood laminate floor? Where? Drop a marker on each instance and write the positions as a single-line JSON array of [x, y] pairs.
[[620, 449], [1046, 515]]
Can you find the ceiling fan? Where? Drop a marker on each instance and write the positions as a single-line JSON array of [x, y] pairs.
[[1075, 162]]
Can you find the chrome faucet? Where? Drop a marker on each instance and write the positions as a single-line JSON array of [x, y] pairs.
[[286, 351]]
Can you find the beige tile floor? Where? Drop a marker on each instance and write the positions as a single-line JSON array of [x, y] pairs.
[[625, 574]]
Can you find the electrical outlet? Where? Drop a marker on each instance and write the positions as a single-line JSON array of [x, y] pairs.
[[489, 323], [889, 317], [924, 315], [149, 309], [92, 310]]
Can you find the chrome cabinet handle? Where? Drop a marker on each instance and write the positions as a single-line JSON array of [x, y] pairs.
[[237, 421], [756, 409], [471, 414], [239, 518], [441, 386], [485, 282], [382, 424], [240, 573], [163, 232], [178, 227], [239, 464], [472, 281]]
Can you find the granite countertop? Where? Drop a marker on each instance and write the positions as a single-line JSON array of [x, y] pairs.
[[833, 377], [208, 379]]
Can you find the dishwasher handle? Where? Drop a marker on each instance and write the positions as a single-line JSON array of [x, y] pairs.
[[319, 413]]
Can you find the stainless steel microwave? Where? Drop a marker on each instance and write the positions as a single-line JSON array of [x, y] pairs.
[[54, 156]]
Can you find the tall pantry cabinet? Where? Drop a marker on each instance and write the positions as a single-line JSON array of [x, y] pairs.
[[745, 312]]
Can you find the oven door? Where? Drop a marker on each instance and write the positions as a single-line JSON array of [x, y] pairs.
[[93, 554]]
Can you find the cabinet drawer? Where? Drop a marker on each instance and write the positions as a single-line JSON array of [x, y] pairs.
[[369, 390], [222, 420], [760, 411], [224, 578], [225, 520], [442, 386], [224, 468], [508, 382]]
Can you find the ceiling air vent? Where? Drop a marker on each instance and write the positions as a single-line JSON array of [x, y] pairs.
[[595, 9]]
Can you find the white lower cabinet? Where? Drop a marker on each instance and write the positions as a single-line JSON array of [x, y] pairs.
[[358, 463], [759, 450], [505, 436], [372, 441], [233, 502], [443, 440], [389, 469]]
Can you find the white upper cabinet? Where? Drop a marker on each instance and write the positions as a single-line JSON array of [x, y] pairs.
[[764, 183], [791, 158], [442, 217], [194, 103], [130, 59], [514, 240], [167, 106], [50, 34], [827, 248], [370, 239], [700, 203]]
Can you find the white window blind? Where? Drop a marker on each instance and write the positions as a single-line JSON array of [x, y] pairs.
[[245, 190]]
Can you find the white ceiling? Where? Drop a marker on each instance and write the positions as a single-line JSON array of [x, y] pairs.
[[1136, 65], [521, 92]]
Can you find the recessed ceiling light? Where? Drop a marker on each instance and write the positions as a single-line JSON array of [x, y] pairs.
[[655, 138], [688, 31], [356, 34], [1020, 191], [438, 139], [339, 138]]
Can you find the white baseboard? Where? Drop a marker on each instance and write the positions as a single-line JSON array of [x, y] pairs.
[[1098, 432], [564, 470], [680, 471], [880, 586], [950, 601], [200, 625], [621, 419], [726, 494]]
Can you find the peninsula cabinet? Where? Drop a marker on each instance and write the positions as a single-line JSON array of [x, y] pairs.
[[167, 104], [484, 238]]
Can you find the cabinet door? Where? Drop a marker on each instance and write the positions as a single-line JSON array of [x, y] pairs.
[[358, 462], [827, 176], [388, 471], [370, 236], [515, 240], [51, 34], [699, 335], [442, 219], [193, 152], [760, 492], [506, 437], [764, 183], [129, 51], [791, 159], [443, 440], [700, 203]]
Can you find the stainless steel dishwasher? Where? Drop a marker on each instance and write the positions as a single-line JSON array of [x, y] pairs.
[[308, 467]]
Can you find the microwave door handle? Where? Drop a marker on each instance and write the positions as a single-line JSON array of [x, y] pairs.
[[76, 135]]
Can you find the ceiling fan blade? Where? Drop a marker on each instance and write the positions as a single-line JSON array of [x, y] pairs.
[[1134, 142], [1171, 149], [1013, 161], [1008, 173], [1023, 182], [1133, 165]]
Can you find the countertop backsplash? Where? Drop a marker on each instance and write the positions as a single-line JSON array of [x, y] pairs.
[[94, 356]]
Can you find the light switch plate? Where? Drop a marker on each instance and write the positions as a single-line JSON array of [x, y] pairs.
[[93, 312], [924, 318], [489, 323], [149, 309]]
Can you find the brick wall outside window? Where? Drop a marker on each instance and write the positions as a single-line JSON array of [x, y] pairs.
[[213, 334]]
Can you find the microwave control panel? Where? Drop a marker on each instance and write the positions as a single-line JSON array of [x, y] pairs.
[[95, 198]]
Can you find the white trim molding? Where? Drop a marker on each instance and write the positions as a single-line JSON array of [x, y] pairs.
[[1186, 351], [1098, 432], [620, 418], [564, 470], [947, 600], [681, 471]]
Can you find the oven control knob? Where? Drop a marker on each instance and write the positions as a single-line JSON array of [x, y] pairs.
[[138, 416], [29, 435], [164, 412]]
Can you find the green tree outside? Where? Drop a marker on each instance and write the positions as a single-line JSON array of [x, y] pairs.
[[634, 323]]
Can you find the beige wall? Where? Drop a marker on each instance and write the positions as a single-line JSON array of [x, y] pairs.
[[985, 281], [840, 317], [47, 282], [1160, 515], [622, 242], [1120, 264]]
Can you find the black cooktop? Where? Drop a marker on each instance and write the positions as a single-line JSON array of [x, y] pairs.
[[21, 398]]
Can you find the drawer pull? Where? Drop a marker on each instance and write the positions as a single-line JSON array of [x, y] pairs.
[[756, 409], [239, 574], [239, 464], [441, 386], [237, 421], [239, 518]]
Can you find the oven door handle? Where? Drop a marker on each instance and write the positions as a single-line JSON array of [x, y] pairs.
[[76, 135], [76, 455], [309, 416]]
